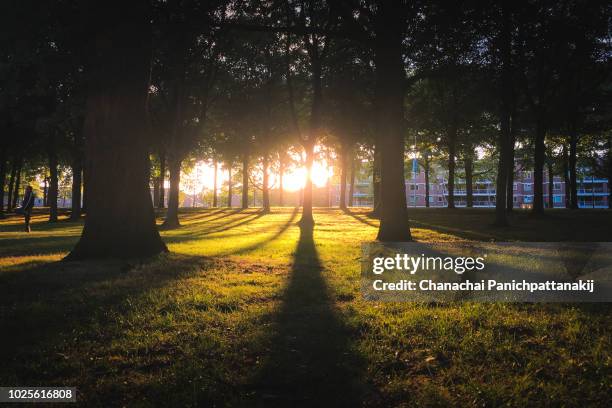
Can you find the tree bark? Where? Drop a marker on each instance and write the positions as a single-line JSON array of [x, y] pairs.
[[172, 219], [352, 182], [343, 176], [538, 169], [469, 181], [389, 105], [245, 181], [266, 187], [162, 180], [53, 182], [120, 220]]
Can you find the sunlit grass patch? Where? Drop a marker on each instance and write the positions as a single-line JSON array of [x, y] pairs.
[[239, 311]]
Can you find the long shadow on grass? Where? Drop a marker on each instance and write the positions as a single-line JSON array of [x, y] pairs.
[[51, 309], [360, 218], [284, 227], [311, 363]]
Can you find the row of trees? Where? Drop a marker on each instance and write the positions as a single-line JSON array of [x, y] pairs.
[[125, 92]]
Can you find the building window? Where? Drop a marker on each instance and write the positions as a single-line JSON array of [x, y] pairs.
[[527, 186], [557, 187], [440, 198], [413, 187], [431, 199], [557, 199], [528, 199], [515, 187]]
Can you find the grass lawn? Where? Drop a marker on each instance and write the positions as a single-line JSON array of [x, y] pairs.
[[248, 309]]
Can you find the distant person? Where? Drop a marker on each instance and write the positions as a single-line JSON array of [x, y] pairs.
[[26, 206]]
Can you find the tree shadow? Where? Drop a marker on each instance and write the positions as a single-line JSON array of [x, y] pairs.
[[311, 362], [271, 238], [362, 219]]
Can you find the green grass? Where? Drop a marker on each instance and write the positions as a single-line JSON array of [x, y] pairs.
[[248, 309]]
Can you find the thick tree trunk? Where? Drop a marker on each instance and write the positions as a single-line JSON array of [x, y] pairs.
[[538, 169], [155, 181], [77, 169], [343, 175], [551, 184], [15, 203], [53, 182], [352, 182], [215, 200], [172, 219], [572, 168], [452, 147], [427, 167], [266, 182], [2, 180], [120, 220], [469, 181], [245, 181], [229, 184], [389, 105], [162, 180]]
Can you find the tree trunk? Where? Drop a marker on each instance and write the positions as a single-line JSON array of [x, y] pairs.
[[245, 181], [46, 193], [281, 172], [53, 183], [566, 180], [572, 168], [426, 169], [155, 190], [469, 181], [343, 175], [389, 105], [2, 180], [265, 187], [452, 144], [229, 184], [352, 185], [551, 185], [538, 169], [9, 202], [504, 139], [510, 169], [120, 220], [215, 203], [15, 203], [162, 180], [307, 218], [376, 181], [172, 219], [77, 169]]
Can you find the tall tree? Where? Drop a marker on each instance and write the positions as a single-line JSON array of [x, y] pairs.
[[120, 221]]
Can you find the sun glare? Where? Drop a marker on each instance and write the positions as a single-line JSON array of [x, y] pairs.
[[201, 177]]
